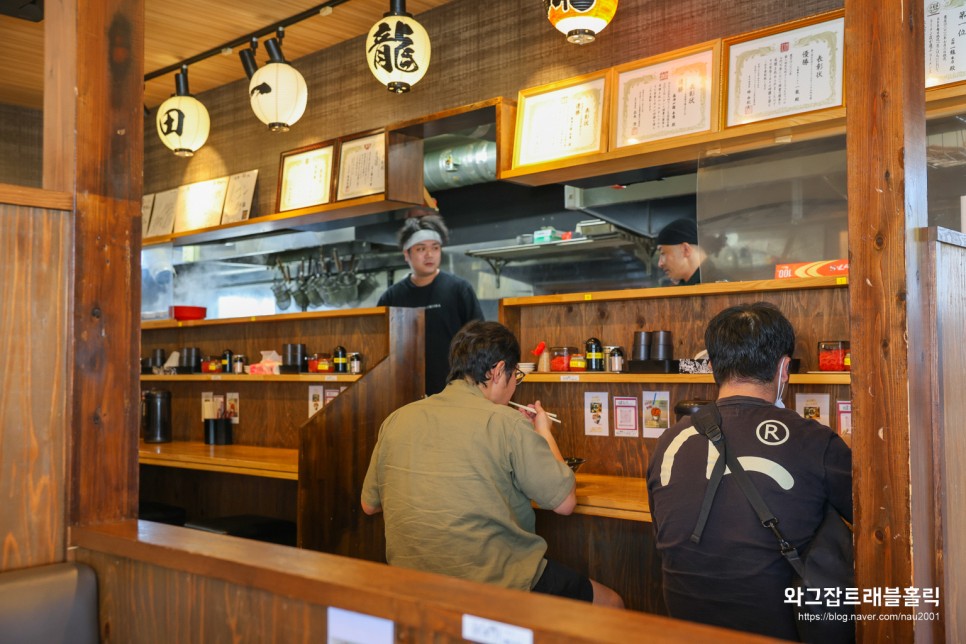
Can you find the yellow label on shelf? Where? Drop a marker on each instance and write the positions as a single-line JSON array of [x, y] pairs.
[[588, 296], [841, 280]]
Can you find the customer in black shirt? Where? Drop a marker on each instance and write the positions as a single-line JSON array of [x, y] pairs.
[[735, 576]]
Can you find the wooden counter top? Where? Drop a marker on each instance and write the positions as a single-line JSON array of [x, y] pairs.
[[618, 497], [269, 462]]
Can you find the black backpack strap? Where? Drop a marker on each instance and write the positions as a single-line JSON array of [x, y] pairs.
[[707, 420]]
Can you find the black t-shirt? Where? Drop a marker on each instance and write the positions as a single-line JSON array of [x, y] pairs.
[[736, 576], [450, 303]]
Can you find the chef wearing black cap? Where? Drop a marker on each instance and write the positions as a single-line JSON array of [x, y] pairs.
[[679, 255]]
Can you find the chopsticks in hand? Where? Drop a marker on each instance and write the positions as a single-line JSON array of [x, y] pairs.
[[552, 417]]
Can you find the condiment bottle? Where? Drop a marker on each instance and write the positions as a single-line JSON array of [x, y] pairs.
[[543, 357], [594, 354], [355, 363], [226, 356], [616, 360], [340, 360]]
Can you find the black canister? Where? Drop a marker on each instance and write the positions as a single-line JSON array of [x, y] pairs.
[[294, 357], [340, 360], [642, 346], [190, 359], [226, 357], [157, 416], [158, 358], [594, 354], [661, 346]]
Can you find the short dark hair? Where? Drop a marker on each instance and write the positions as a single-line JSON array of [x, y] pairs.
[[746, 342], [478, 346], [426, 222]]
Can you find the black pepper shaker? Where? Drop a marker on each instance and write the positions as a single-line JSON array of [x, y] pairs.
[[616, 360], [594, 354], [340, 360], [226, 357]]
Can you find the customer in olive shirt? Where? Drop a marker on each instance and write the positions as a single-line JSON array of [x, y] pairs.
[[455, 475]]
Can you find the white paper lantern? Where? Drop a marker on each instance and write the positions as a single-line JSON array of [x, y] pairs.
[[183, 124], [398, 50], [277, 91]]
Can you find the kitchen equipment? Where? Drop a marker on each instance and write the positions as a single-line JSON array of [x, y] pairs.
[[156, 415], [189, 360], [187, 312], [218, 431]]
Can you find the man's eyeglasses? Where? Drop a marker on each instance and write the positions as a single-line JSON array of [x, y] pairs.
[[519, 375]]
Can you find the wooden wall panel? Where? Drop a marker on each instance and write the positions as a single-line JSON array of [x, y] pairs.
[[480, 50], [205, 495], [336, 444], [619, 554], [35, 282], [949, 455]]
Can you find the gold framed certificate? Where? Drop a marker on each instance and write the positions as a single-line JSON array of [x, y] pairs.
[[305, 177], [362, 166], [561, 120], [945, 42], [786, 70], [665, 96]]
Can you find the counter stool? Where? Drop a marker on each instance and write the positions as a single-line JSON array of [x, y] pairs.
[[161, 513], [249, 526]]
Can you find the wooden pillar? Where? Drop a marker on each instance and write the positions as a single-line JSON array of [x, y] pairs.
[[93, 147], [891, 391]]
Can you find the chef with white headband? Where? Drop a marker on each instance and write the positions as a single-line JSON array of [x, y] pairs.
[[449, 300]]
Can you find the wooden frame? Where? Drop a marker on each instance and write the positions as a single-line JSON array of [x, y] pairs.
[[305, 176], [559, 138], [644, 87], [362, 165], [751, 59]]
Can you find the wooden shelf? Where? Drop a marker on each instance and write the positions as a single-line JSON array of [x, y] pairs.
[[756, 286], [149, 325], [232, 377], [617, 497], [833, 378], [267, 462], [284, 220]]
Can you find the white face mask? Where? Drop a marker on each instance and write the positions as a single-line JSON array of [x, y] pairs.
[[781, 385]]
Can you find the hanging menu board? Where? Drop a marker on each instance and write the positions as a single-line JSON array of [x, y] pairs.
[[560, 120], [945, 41], [665, 96], [786, 72], [199, 204]]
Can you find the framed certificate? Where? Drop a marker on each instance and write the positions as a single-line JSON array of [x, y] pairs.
[[786, 70], [162, 214], [665, 96], [945, 42], [238, 200], [362, 166], [147, 203], [305, 177], [199, 205], [561, 120]]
